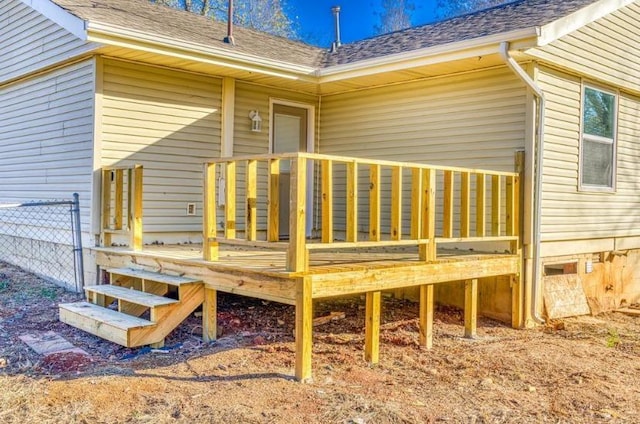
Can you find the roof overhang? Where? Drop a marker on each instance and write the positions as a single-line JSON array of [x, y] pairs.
[[153, 43], [55, 13], [476, 47]]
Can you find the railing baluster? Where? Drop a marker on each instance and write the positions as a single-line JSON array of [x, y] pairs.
[[210, 248], [481, 194], [496, 191], [416, 203], [447, 216], [230, 200], [252, 201], [273, 201], [106, 207], [396, 203], [465, 203], [327, 201], [352, 201], [119, 194], [374, 202]]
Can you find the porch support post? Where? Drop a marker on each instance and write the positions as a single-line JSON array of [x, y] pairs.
[[228, 113], [297, 253], [470, 308], [304, 329], [372, 328], [135, 214], [426, 316], [209, 315]]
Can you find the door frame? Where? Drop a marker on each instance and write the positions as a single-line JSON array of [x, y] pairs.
[[311, 126]]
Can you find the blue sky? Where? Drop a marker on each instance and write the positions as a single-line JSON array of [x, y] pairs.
[[357, 18]]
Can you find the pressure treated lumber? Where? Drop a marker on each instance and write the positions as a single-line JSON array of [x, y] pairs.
[[372, 327], [426, 316], [470, 308], [304, 329]]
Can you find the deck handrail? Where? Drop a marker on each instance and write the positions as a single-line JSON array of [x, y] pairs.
[[439, 194], [112, 219]]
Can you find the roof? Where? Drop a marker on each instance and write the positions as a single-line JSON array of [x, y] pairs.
[[155, 19], [508, 17], [164, 22]]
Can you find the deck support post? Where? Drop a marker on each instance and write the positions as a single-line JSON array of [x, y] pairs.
[[470, 307], [135, 212], [517, 300], [304, 329], [209, 315], [372, 328], [426, 316]]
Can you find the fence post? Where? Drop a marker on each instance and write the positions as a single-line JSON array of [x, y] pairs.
[[77, 242]]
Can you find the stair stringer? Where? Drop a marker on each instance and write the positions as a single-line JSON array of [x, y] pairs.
[[168, 317]]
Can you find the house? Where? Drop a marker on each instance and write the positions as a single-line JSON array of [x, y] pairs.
[[511, 131]]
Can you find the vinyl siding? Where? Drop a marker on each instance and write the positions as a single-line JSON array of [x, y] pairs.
[[475, 120], [568, 214], [46, 137], [169, 122], [607, 49], [29, 41]]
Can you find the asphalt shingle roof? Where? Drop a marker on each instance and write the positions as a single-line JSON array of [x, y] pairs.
[[144, 16]]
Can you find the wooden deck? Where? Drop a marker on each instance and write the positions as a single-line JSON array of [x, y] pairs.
[[247, 251]]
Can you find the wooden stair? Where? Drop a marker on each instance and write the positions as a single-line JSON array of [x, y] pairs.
[[135, 292]]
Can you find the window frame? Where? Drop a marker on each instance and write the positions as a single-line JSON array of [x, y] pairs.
[[598, 139]]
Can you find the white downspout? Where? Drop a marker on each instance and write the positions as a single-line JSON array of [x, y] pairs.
[[537, 142]]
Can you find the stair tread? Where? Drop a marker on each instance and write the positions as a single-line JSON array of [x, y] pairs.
[[130, 295], [174, 280], [99, 314]]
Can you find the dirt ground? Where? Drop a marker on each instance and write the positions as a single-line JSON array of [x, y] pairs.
[[578, 370]]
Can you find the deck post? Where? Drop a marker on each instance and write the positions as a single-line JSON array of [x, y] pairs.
[[372, 327], [251, 218], [426, 316], [470, 308], [273, 201], [304, 329], [209, 315], [297, 253], [135, 214], [230, 201], [428, 228], [352, 201], [396, 203], [327, 201], [447, 212], [517, 300], [374, 202], [209, 248]]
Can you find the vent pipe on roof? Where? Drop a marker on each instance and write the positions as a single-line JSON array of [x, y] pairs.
[[229, 38], [336, 21]]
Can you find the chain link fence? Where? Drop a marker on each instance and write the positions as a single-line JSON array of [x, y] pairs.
[[44, 237]]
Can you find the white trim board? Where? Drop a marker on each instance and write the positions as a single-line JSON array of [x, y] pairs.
[[55, 13]]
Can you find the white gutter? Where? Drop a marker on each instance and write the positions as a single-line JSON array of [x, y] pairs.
[[537, 191]]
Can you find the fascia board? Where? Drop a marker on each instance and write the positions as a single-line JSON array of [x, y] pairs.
[[573, 22], [55, 13]]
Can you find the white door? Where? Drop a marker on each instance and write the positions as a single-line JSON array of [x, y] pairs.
[[290, 134]]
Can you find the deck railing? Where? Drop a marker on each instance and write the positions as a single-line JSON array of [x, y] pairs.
[[446, 205], [122, 204]]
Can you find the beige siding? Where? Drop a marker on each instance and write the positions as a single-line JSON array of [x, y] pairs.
[[567, 213], [607, 49], [476, 120], [29, 41], [46, 137], [170, 123]]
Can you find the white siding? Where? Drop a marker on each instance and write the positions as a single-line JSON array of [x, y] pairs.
[[607, 49], [567, 213], [46, 137], [169, 122], [29, 41]]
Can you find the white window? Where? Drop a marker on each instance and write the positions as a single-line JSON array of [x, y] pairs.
[[598, 140]]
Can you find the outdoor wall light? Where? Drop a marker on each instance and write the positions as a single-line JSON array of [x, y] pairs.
[[256, 121]]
